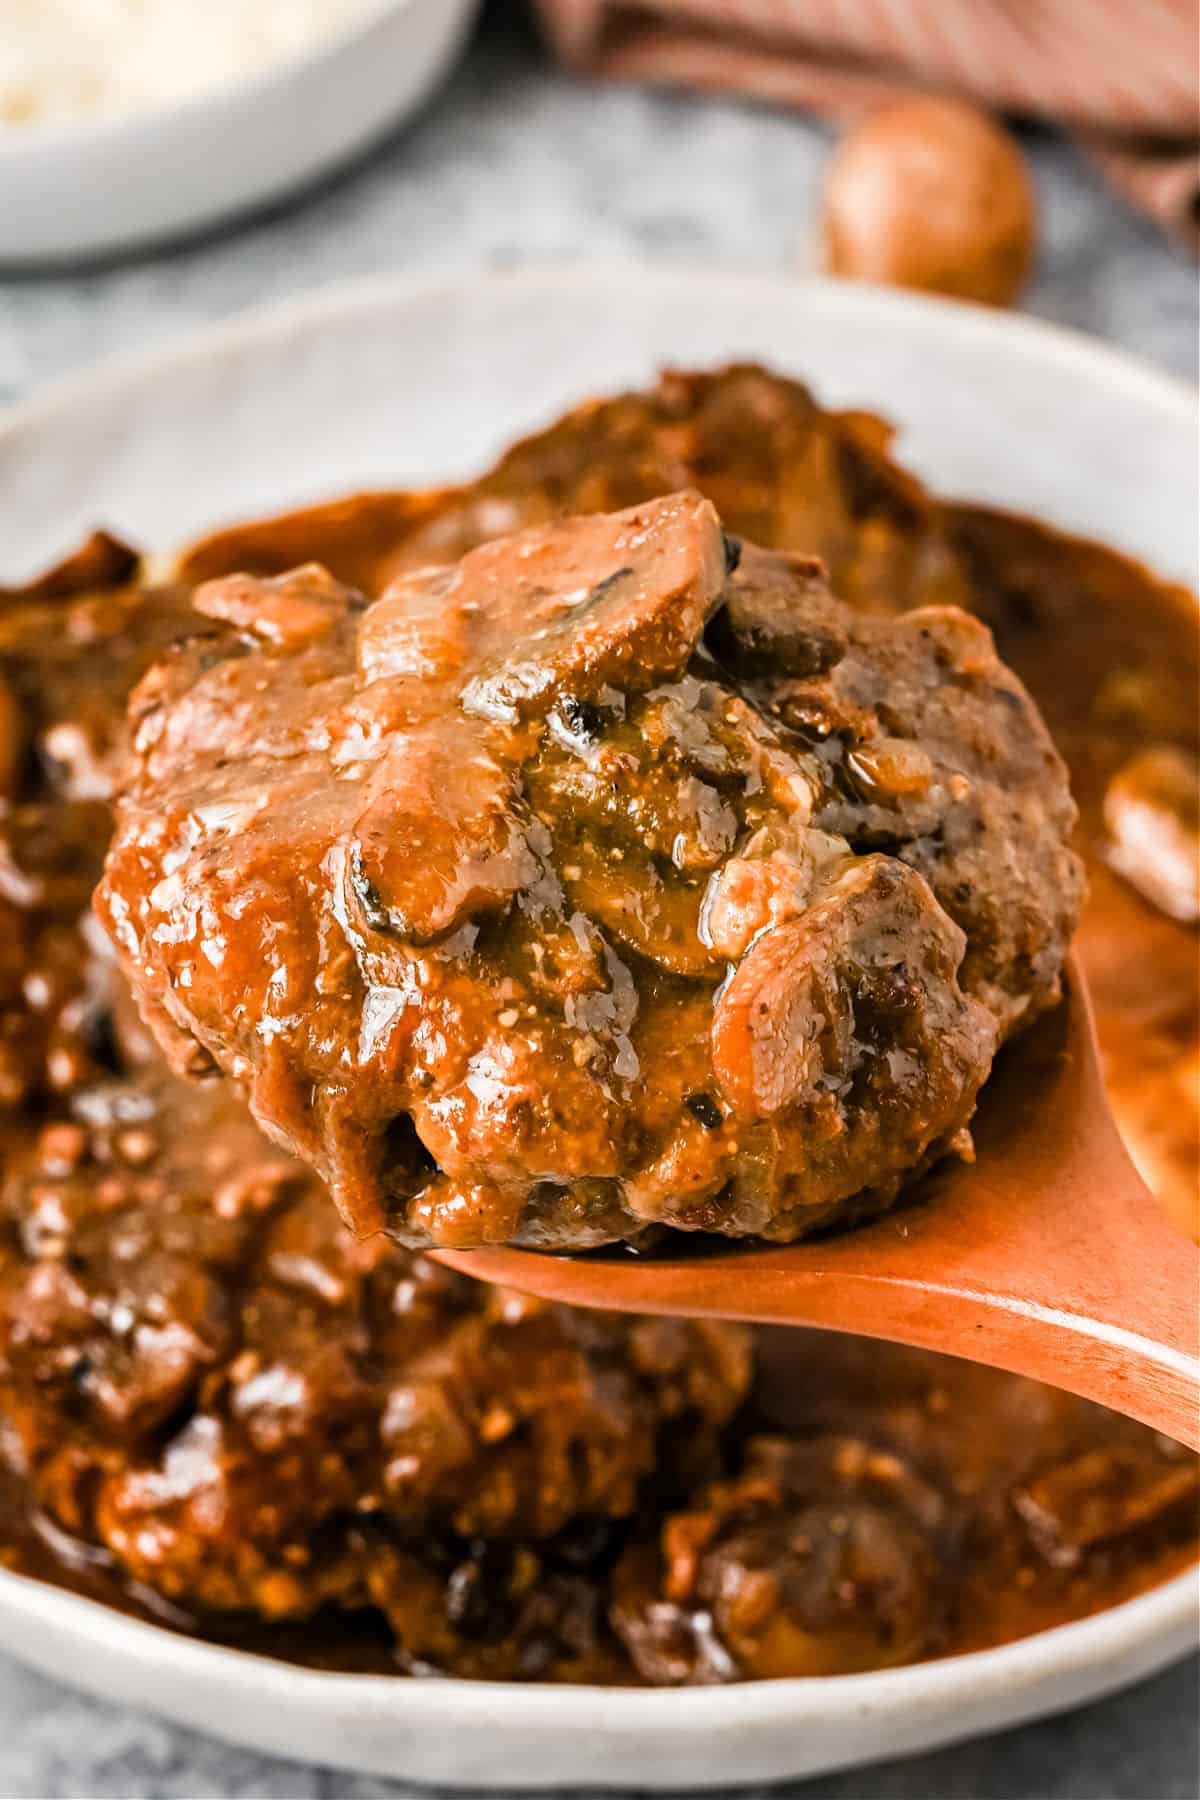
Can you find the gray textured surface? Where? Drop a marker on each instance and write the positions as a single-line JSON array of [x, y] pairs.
[[517, 164]]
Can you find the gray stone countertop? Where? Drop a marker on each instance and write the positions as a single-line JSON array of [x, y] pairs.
[[516, 163]]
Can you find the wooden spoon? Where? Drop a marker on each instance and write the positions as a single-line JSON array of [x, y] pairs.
[[1048, 1255]]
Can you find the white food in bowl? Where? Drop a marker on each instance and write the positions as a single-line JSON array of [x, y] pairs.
[[65, 60], [246, 124]]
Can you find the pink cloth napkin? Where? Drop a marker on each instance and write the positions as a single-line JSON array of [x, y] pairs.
[[1121, 74]]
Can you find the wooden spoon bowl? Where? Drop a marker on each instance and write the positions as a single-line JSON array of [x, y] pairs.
[[1048, 1255]]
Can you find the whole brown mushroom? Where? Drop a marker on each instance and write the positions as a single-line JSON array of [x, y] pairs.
[[930, 193]]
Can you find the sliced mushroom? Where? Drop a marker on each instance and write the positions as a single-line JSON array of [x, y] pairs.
[[289, 612], [770, 626], [867, 970], [819, 1557], [616, 601], [1106, 1493], [438, 841], [1152, 810]]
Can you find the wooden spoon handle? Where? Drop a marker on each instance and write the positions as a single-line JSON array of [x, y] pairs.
[[1048, 1256], [1073, 1271], [1088, 1343]]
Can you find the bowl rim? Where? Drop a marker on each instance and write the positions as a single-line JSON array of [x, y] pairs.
[[1164, 1611], [57, 137], [341, 300]]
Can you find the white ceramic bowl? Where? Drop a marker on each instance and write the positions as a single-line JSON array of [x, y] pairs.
[[99, 188], [414, 382]]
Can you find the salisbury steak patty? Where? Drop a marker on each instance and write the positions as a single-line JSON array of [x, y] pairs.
[[203, 1373], [71, 647], [589, 884], [779, 469]]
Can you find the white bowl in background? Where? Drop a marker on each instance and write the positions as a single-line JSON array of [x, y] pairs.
[[104, 186], [418, 381]]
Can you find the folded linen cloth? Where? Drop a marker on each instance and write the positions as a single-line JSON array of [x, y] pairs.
[[1120, 74]]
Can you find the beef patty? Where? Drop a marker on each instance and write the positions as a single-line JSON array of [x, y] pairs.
[[616, 876]]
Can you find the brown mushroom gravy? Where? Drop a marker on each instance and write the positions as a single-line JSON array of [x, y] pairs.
[[222, 1409]]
